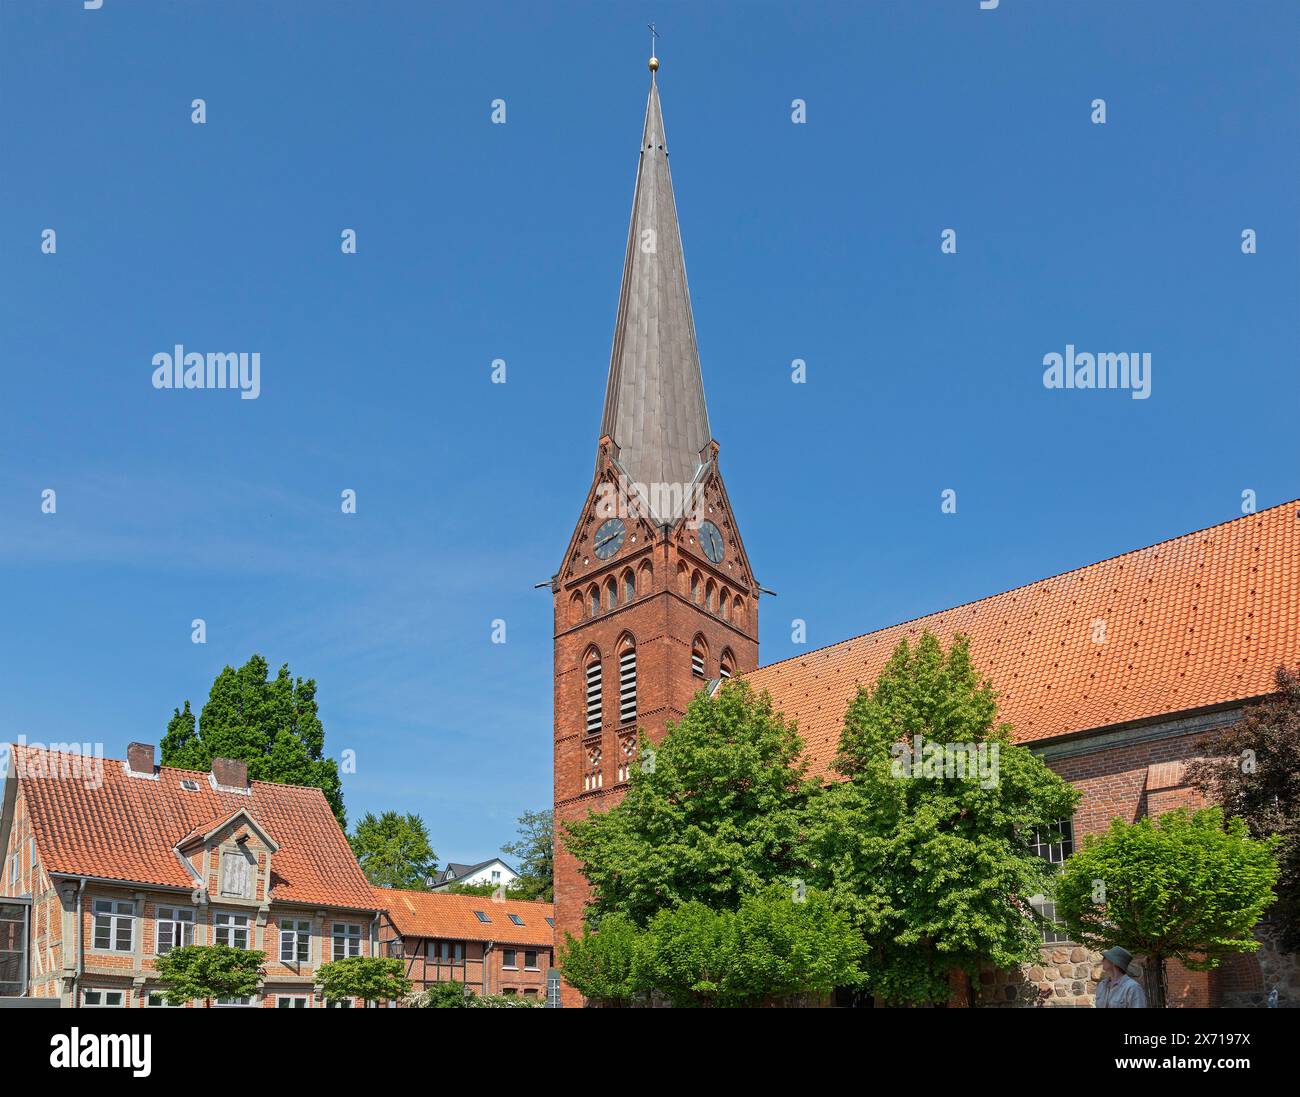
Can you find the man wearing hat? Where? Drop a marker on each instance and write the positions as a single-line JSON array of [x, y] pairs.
[[1118, 989]]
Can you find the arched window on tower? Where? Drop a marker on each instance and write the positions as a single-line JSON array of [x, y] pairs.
[[593, 598], [724, 604], [611, 593], [575, 608], [645, 577], [699, 653], [710, 595], [594, 695], [629, 585], [696, 591], [738, 611], [627, 682], [727, 665]]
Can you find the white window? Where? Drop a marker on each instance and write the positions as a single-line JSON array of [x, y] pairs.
[[347, 940], [1054, 842], [230, 929], [345, 1003], [496, 875], [295, 942], [593, 696], [627, 686], [246, 1000], [114, 926], [237, 874], [175, 928], [101, 999], [155, 1000], [15, 870], [291, 1001]]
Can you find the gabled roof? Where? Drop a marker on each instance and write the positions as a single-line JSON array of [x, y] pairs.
[[438, 914], [205, 831], [654, 399], [1190, 623], [128, 829]]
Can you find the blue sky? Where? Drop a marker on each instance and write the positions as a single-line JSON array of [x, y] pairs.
[[479, 241]]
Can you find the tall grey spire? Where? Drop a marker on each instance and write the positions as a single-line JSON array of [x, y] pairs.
[[654, 400]]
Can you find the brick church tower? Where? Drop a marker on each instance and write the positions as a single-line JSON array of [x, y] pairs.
[[655, 598]]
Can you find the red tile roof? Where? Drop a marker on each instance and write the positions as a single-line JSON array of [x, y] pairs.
[[439, 914], [1190, 623], [128, 828]]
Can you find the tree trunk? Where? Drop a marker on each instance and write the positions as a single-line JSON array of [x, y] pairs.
[[1156, 982]]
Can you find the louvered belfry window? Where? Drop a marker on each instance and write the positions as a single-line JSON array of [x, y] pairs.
[[627, 685], [593, 695], [697, 660]]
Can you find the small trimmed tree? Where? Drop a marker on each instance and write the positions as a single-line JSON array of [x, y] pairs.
[[927, 846], [370, 978], [449, 995], [206, 972], [1188, 887], [601, 964]]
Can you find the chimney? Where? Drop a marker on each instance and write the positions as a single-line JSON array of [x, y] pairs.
[[139, 758], [230, 773]]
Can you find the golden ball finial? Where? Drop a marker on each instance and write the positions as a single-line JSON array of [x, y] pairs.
[[654, 64]]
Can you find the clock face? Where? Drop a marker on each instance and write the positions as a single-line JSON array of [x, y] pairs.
[[609, 538], [711, 539]]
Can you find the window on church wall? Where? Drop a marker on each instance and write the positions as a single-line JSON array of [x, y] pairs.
[[575, 609], [593, 597], [592, 778], [629, 585], [695, 586], [724, 603], [698, 655], [710, 595], [611, 594], [594, 700], [626, 755], [1052, 934], [1054, 842], [727, 665], [645, 578], [683, 581], [738, 611], [627, 685]]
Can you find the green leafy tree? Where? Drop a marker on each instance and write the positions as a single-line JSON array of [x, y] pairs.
[[927, 845], [711, 814], [780, 943], [1188, 887], [272, 724], [449, 995], [484, 890], [534, 853], [370, 978], [205, 972], [601, 964], [393, 850], [1252, 768]]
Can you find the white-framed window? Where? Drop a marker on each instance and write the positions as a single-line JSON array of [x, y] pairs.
[[295, 941], [347, 940], [344, 1003], [237, 874], [627, 685], [1054, 842], [291, 1001], [496, 875], [230, 929], [114, 926], [233, 1003], [175, 928], [155, 1000], [1050, 933], [594, 701], [509, 958], [15, 870], [530, 960], [446, 952], [95, 998]]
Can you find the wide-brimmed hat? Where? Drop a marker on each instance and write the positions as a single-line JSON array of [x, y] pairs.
[[1120, 957]]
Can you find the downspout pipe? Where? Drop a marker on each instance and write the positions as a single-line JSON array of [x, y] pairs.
[[81, 947]]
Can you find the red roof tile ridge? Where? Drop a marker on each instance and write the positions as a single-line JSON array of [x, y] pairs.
[[1013, 590]]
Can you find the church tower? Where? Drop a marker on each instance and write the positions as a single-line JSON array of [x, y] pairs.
[[655, 598]]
